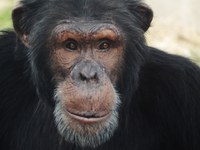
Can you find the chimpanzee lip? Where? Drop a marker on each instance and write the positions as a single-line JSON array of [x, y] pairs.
[[89, 117]]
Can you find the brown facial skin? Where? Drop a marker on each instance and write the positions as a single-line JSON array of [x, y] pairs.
[[99, 47], [86, 59], [88, 39]]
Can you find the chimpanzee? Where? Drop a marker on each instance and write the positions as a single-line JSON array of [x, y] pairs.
[[78, 75]]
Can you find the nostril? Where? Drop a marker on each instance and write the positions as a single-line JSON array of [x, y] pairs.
[[83, 77], [90, 76], [95, 77]]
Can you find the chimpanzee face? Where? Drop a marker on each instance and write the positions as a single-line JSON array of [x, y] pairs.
[[86, 58], [77, 51]]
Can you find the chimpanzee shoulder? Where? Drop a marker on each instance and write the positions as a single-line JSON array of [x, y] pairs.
[[13, 68], [170, 73], [16, 90], [171, 67], [168, 99]]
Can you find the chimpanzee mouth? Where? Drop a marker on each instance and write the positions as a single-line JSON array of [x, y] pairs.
[[89, 117]]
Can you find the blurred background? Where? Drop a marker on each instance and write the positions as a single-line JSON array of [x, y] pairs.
[[175, 28]]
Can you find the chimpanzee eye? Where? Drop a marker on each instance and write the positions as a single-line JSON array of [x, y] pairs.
[[104, 45], [71, 45]]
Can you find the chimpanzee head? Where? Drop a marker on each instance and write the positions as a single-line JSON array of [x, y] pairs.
[[83, 55]]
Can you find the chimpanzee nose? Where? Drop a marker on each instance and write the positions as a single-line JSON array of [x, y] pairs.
[[87, 71]]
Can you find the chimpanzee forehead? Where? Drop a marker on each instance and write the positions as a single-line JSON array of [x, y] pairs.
[[84, 26], [86, 30]]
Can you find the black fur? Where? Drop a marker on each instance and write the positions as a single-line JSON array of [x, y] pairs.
[[160, 93]]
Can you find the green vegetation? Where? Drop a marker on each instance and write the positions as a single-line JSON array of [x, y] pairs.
[[5, 18], [6, 7]]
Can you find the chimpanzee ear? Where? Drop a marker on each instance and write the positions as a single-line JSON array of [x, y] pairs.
[[19, 23], [143, 12]]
